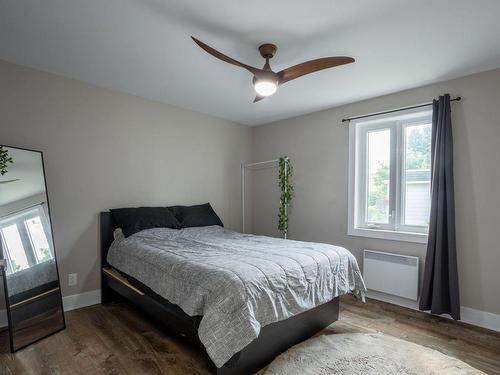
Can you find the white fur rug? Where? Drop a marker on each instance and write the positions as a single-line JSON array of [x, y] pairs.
[[364, 354]]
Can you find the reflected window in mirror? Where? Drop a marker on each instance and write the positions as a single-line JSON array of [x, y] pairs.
[[25, 239]]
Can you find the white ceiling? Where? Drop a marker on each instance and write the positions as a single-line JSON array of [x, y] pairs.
[[28, 170], [143, 47]]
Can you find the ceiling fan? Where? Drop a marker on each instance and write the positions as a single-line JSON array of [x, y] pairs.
[[266, 81]]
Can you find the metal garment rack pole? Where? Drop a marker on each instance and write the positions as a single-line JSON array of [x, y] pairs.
[[244, 166], [348, 119]]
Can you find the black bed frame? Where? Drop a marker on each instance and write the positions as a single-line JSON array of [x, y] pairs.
[[274, 338]]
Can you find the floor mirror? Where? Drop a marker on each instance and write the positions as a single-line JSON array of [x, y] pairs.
[[30, 290]]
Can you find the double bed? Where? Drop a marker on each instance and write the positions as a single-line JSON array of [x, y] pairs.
[[242, 298]]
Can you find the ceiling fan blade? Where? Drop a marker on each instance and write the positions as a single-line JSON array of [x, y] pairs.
[[312, 66], [225, 58], [6, 182]]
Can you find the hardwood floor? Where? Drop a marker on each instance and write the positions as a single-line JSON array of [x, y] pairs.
[[116, 339]]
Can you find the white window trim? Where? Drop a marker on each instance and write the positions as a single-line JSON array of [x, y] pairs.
[[352, 229]]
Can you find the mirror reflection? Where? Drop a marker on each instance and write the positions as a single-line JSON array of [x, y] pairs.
[[30, 267]]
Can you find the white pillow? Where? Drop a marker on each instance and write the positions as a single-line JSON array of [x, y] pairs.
[[118, 234]]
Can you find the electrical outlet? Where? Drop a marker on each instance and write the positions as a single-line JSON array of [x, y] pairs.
[[72, 279]]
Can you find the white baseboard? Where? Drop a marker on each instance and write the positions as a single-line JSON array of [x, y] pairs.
[[77, 301], [469, 315], [395, 300], [480, 318]]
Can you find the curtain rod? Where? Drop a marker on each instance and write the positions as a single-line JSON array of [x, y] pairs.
[[457, 99], [15, 212]]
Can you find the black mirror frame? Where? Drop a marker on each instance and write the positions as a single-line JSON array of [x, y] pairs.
[[7, 302]]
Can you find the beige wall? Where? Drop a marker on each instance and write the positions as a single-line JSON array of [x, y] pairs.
[[318, 146], [104, 149]]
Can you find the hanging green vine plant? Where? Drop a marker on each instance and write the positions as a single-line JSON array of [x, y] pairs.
[[284, 181], [5, 160]]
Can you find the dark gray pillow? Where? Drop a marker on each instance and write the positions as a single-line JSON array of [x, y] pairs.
[[201, 215], [133, 220]]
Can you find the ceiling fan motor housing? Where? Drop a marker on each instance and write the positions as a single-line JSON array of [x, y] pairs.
[[267, 50], [268, 76]]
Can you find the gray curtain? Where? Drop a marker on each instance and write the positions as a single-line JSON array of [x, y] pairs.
[[440, 292]]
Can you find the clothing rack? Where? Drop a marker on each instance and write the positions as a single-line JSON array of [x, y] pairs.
[[348, 119], [244, 167]]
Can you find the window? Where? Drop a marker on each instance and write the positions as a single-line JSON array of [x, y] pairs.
[[25, 239], [390, 176]]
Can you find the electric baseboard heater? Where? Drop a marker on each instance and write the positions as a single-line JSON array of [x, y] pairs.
[[391, 273]]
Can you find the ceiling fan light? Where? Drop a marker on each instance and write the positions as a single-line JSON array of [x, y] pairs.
[[265, 88]]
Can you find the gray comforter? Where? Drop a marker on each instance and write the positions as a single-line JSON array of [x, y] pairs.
[[238, 282]]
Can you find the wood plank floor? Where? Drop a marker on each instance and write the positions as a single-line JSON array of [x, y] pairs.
[[116, 339]]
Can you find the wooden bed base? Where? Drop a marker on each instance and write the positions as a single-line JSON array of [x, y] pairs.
[[274, 338]]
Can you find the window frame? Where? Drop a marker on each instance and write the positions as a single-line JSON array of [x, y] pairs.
[[19, 219], [358, 162]]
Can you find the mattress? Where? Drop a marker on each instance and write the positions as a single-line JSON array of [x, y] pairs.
[[237, 282]]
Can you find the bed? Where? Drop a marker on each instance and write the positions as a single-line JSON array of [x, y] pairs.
[[242, 299]]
